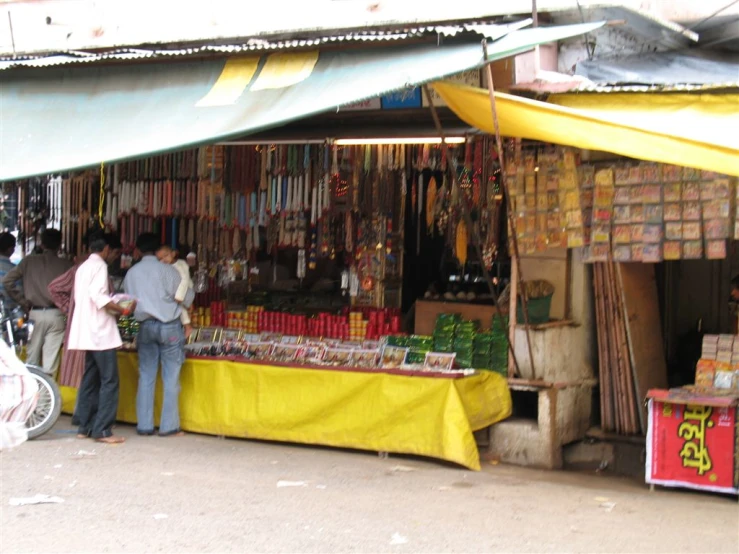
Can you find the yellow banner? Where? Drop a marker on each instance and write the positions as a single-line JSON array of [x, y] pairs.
[[231, 83], [367, 411], [285, 69], [529, 119]]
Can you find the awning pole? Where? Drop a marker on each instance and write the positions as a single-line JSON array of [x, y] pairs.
[[511, 220], [468, 221]]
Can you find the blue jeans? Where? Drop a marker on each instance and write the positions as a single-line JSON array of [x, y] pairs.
[[166, 342]]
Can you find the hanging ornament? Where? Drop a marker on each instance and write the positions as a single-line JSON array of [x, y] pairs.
[[431, 195], [300, 271], [201, 280], [460, 247]]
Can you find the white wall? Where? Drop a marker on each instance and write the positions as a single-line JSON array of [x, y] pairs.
[[562, 354]]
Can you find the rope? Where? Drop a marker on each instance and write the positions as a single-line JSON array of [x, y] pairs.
[[102, 195]]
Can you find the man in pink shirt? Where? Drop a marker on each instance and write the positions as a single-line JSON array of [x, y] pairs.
[[95, 330]]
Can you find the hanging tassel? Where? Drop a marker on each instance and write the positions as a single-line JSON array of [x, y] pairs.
[[430, 204]]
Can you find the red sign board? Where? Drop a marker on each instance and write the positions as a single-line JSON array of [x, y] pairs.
[[692, 446]]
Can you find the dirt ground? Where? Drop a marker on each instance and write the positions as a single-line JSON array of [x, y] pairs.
[[204, 494]]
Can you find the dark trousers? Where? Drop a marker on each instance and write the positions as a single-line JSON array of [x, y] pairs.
[[97, 399]]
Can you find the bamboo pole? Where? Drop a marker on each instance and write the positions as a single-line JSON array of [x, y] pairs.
[[606, 405], [511, 220]]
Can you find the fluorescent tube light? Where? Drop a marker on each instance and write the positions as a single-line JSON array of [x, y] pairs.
[[398, 140]]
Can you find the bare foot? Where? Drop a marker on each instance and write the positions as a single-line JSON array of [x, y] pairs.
[[111, 439], [81, 436]]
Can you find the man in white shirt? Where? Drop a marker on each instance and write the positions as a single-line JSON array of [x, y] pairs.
[[95, 330]]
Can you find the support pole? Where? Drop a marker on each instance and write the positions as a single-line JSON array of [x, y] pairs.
[[511, 220], [468, 221]]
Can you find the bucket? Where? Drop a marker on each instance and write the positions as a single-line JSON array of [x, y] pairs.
[[539, 302], [538, 309]]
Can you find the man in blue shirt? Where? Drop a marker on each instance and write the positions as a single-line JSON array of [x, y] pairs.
[[161, 335], [7, 249]]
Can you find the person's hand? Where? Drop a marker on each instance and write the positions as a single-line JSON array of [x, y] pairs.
[[188, 331], [131, 308]]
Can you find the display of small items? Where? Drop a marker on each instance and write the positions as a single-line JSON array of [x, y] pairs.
[[358, 323], [473, 347], [391, 353], [718, 368], [214, 315]]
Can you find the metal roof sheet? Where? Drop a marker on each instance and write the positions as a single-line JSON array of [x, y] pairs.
[[615, 87], [134, 54]]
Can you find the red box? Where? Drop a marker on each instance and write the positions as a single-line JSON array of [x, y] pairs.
[[692, 446]]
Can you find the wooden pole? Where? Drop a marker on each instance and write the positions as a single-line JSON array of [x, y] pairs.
[[512, 305], [515, 258], [470, 227]]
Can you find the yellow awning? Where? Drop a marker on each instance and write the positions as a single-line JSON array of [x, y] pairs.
[[712, 118], [529, 119]]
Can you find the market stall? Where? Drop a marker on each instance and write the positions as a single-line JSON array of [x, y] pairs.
[[298, 257], [400, 412], [693, 437]]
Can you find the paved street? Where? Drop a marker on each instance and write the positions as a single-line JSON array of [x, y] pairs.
[[204, 494]]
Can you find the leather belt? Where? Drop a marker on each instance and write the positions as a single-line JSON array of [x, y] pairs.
[[43, 308]]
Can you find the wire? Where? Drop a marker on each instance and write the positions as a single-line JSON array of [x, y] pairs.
[[714, 14]]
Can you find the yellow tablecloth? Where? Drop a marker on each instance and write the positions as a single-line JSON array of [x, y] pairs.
[[424, 416]]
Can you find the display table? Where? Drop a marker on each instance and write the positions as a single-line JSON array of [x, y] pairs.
[[693, 441], [425, 416]]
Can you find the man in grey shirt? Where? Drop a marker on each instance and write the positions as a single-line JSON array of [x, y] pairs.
[[35, 272], [161, 335]]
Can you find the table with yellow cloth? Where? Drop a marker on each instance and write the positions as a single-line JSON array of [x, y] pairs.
[[425, 416]]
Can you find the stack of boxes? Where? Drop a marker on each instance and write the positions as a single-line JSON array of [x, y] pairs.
[[444, 330], [483, 351], [357, 326], [418, 345], [248, 320], [718, 367], [464, 342], [499, 354], [474, 348]]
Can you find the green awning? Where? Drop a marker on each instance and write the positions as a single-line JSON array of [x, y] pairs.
[[65, 118]]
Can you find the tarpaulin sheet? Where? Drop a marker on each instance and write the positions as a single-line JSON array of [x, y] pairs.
[[636, 136], [709, 118], [424, 416], [60, 118]]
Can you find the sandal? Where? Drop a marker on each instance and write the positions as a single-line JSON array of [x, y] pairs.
[[113, 439]]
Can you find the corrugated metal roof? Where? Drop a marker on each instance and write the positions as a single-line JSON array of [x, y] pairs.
[[482, 27], [614, 87]]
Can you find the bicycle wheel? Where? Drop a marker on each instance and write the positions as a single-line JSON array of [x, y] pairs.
[[49, 405]]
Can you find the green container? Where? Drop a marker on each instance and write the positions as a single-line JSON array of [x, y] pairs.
[[421, 341], [463, 363], [398, 340], [538, 310], [415, 357]]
